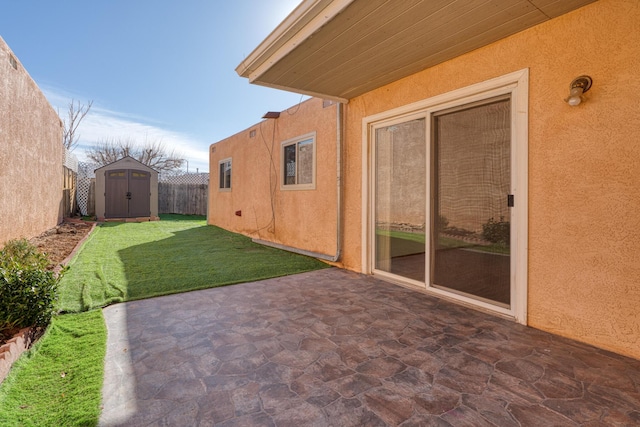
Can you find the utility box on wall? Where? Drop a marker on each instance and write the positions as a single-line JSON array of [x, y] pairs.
[[127, 189]]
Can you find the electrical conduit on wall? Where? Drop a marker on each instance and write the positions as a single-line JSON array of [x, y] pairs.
[[336, 257]]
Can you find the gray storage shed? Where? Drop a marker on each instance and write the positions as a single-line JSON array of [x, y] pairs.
[[127, 189]]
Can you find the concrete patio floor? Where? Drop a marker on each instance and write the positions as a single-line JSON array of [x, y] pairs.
[[334, 348]]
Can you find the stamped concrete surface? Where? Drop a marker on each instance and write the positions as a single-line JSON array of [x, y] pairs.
[[334, 348]]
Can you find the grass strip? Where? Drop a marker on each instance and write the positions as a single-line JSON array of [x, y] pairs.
[[406, 243], [58, 381], [130, 261]]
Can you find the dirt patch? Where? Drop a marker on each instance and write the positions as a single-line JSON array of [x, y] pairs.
[[59, 242]]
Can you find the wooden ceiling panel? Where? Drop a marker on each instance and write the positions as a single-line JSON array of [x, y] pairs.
[[356, 28], [440, 56], [406, 32], [370, 43], [414, 43]]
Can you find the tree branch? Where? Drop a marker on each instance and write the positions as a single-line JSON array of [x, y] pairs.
[[153, 154], [75, 115]]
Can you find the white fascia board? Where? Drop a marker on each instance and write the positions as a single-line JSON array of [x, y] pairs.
[[304, 92], [304, 21]]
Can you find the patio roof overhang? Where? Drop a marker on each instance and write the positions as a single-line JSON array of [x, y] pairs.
[[340, 49]]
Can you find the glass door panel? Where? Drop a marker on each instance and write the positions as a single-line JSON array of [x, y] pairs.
[[400, 199], [470, 215]]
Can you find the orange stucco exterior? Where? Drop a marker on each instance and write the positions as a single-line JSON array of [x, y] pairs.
[[31, 154], [584, 166], [302, 219], [583, 273]]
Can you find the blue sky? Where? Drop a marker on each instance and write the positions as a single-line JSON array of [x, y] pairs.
[[155, 69]]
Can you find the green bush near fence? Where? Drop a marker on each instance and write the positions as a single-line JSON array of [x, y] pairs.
[[28, 290], [497, 231]]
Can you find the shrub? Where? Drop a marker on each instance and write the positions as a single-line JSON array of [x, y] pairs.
[[496, 231], [28, 290], [442, 224]]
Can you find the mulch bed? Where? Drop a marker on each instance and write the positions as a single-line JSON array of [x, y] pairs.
[[59, 242]]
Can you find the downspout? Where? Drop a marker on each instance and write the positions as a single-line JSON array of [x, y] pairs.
[[336, 257]]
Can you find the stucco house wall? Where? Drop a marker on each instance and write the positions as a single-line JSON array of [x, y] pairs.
[[582, 270], [31, 154], [302, 219], [584, 166]]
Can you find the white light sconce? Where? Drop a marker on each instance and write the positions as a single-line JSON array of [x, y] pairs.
[[578, 86]]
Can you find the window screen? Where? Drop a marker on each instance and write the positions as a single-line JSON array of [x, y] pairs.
[[298, 162], [225, 174]]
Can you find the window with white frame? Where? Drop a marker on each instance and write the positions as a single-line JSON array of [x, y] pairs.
[[224, 166], [298, 165]]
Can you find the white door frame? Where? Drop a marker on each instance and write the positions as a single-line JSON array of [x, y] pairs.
[[517, 85]]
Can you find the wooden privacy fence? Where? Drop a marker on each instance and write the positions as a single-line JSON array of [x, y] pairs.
[[185, 194], [69, 184], [186, 199]]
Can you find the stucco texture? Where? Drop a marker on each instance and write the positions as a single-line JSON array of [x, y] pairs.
[[584, 166], [31, 154], [302, 219]]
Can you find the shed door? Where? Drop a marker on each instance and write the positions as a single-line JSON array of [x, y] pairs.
[[140, 190], [127, 193]]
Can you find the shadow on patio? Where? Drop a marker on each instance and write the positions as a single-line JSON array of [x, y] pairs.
[[332, 347]]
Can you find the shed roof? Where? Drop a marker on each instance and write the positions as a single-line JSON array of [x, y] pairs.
[[126, 163], [340, 49]]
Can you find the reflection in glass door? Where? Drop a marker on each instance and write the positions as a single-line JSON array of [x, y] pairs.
[[400, 199], [470, 214]]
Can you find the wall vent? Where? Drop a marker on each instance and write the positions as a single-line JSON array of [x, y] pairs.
[[13, 62]]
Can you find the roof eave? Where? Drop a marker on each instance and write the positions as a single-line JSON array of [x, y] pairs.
[[303, 92], [295, 56], [305, 20]]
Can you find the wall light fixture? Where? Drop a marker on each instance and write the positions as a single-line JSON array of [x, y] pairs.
[[578, 86]]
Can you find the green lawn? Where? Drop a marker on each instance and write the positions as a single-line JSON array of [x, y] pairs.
[[58, 382], [406, 243], [129, 261]]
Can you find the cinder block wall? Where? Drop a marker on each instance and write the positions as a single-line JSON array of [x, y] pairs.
[[31, 154]]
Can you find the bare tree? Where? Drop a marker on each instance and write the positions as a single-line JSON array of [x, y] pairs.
[[75, 115], [155, 155], [152, 153]]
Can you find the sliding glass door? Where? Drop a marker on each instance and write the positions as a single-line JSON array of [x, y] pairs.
[[441, 197], [400, 199], [446, 190], [471, 177]]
